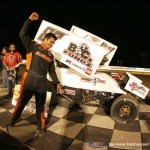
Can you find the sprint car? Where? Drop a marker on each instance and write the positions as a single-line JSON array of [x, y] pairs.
[[119, 98]]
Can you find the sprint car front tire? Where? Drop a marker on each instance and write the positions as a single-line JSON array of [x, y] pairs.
[[124, 109]]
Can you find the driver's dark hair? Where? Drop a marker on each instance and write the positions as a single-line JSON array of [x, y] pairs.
[[50, 35]]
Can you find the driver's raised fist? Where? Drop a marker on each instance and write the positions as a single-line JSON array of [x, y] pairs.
[[34, 16]]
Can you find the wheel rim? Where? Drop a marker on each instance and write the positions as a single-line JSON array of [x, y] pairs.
[[125, 110]]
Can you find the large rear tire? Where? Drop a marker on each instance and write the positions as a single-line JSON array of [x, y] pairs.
[[124, 109]]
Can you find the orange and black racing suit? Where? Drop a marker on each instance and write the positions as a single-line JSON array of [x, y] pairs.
[[34, 82]]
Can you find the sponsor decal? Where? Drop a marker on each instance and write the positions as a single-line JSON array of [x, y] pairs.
[[140, 89], [94, 39], [67, 91], [81, 54], [77, 66], [87, 80], [43, 56], [95, 80], [117, 76], [88, 71], [130, 100], [59, 34], [98, 80], [68, 61]]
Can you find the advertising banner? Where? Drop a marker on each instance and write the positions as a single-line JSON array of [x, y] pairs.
[[72, 50]]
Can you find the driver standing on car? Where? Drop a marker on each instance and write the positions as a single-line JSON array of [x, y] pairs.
[[34, 81]]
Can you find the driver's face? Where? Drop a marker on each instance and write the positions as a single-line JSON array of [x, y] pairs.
[[49, 42]]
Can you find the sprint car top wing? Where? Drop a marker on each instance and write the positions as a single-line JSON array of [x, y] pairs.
[[74, 51]]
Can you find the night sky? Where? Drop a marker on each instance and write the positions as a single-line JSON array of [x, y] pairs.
[[125, 23]]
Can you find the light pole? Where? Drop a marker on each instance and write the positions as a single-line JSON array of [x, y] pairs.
[[143, 59]]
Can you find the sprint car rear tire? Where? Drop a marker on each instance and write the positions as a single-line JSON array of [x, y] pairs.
[[124, 109]]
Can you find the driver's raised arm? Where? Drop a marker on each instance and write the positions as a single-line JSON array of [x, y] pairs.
[[25, 38]]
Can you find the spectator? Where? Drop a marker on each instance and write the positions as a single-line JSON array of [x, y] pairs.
[[4, 71], [10, 61]]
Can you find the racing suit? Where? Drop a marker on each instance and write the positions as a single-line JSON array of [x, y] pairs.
[[39, 61]]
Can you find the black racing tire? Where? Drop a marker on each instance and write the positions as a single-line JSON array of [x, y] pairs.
[[124, 109]]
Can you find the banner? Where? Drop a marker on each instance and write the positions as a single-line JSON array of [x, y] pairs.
[[72, 50], [108, 47]]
